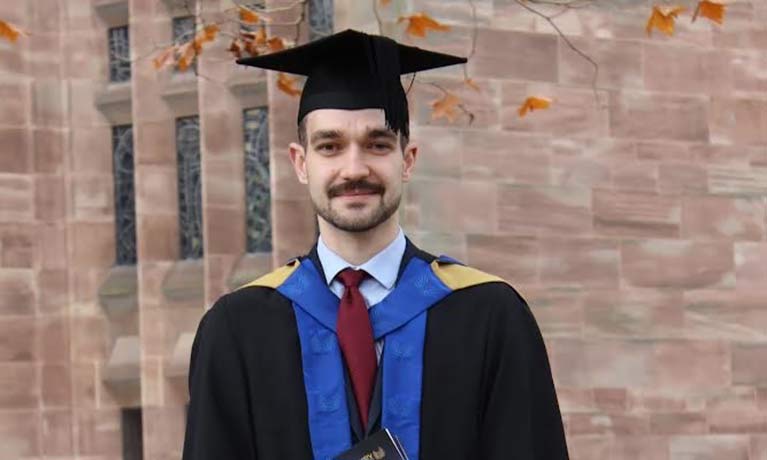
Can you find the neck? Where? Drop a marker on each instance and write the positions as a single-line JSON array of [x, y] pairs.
[[359, 247]]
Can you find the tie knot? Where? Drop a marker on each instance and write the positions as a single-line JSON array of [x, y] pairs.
[[351, 277]]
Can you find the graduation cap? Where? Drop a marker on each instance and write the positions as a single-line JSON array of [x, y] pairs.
[[353, 70]]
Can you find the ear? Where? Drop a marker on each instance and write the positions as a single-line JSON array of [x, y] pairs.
[[409, 156], [298, 158]]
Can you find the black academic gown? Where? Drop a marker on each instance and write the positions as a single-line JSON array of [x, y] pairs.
[[487, 388]]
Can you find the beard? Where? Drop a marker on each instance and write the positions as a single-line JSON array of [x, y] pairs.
[[357, 224]]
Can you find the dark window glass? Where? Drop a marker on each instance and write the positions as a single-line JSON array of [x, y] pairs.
[[125, 207], [189, 189], [133, 448], [183, 31], [258, 198], [320, 18], [119, 54]]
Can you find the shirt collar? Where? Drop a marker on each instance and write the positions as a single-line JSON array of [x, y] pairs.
[[383, 267]]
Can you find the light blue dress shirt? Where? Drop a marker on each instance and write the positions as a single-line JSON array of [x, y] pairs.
[[382, 268]]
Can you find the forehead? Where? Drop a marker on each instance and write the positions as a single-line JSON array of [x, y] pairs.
[[345, 120]]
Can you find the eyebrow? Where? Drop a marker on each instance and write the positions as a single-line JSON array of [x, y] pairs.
[[385, 133], [326, 134]]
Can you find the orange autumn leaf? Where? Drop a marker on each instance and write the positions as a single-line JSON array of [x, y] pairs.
[[446, 107], [260, 37], [663, 18], [209, 33], [187, 52], [470, 83], [533, 103], [420, 23], [164, 58], [9, 31], [236, 48], [248, 16], [275, 44], [385, 2], [711, 9], [286, 84]]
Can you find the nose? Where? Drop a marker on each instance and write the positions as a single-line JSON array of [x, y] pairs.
[[355, 166]]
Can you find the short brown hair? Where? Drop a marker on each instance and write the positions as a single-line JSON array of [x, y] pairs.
[[302, 136]]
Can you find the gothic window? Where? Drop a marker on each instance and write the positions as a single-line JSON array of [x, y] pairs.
[[258, 198], [189, 189], [119, 54], [320, 18], [125, 209], [183, 31]]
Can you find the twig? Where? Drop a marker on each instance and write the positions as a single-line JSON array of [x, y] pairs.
[[378, 16], [445, 92], [566, 40], [474, 33]]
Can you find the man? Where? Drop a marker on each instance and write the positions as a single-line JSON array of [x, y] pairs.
[[367, 331]]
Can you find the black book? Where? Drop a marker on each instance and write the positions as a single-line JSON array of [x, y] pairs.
[[380, 446]]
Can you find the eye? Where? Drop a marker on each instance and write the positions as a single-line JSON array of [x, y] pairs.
[[380, 147], [327, 147]]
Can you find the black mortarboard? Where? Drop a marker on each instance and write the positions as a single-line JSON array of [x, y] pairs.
[[353, 70]]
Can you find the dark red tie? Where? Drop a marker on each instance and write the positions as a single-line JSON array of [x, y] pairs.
[[355, 335]]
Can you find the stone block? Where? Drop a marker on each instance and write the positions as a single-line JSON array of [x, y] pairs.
[[17, 155], [56, 385], [91, 150], [640, 448], [589, 447], [663, 152], [185, 282], [635, 213], [678, 423], [504, 157], [542, 210], [745, 422], [678, 264], [723, 217], [164, 431], [620, 63], [156, 190], [676, 372], [592, 363], [573, 112], [440, 151], [118, 294], [740, 37], [92, 244], [16, 198], [155, 143], [124, 363], [224, 231], [57, 433], [607, 424], [53, 339], [748, 364], [90, 338], [737, 181], [638, 313], [579, 263], [19, 386], [750, 269], [50, 198], [93, 196], [18, 245], [98, 432], [53, 286], [686, 69], [747, 69], [663, 117], [726, 314], [738, 120], [682, 178], [178, 364], [225, 182], [49, 102], [635, 176], [588, 162], [294, 229], [19, 434], [559, 312], [18, 339], [709, 447], [17, 292], [535, 55], [157, 237], [439, 201], [16, 97], [83, 385], [514, 259]]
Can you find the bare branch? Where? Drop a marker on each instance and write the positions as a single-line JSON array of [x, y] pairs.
[[378, 16], [569, 43]]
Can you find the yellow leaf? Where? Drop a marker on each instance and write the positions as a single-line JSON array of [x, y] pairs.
[[446, 107], [164, 58], [420, 23], [286, 84], [662, 18], [533, 103], [275, 44], [711, 9], [9, 31], [470, 83], [187, 52], [248, 16]]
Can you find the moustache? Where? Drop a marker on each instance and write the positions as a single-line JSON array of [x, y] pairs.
[[358, 186]]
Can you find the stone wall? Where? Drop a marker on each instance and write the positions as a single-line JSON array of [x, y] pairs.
[[633, 220]]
